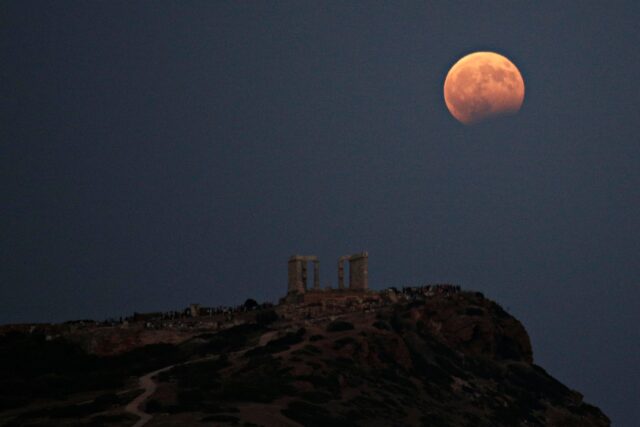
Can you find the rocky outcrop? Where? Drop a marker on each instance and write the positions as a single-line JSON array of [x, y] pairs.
[[476, 326], [423, 357], [448, 360]]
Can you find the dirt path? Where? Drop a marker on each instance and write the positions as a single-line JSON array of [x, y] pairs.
[[149, 386], [266, 337]]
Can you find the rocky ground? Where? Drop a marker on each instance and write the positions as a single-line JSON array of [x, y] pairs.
[[446, 360]]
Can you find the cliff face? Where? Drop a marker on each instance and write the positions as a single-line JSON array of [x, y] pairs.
[[444, 360], [472, 325], [452, 360]]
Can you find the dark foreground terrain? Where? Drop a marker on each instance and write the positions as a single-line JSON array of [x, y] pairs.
[[447, 360]]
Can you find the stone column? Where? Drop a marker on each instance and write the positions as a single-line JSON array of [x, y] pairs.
[[341, 272], [304, 274], [359, 271], [316, 275], [297, 276]]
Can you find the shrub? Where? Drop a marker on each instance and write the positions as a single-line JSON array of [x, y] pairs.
[[154, 406], [312, 415], [316, 396], [381, 324], [221, 418], [474, 311], [250, 304], [339, 325], [307, 350], [266, 317], [342, 342]]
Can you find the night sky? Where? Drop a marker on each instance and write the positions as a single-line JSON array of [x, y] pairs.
[[155, 154]]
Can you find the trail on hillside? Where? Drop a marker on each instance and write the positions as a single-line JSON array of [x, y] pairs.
[[149, 385]]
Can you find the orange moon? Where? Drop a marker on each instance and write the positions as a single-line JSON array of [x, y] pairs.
[[483, 85]]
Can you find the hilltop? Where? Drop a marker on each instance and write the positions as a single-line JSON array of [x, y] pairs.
[[433, 356]]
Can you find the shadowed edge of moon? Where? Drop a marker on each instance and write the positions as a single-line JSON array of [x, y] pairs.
[[491, 86]]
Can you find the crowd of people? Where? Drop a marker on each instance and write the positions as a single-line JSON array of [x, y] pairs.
[[426, 290]]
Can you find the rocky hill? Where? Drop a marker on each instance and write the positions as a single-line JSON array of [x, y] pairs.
[[453, 359]]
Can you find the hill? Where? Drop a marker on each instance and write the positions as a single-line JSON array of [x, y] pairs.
[[385, 359]]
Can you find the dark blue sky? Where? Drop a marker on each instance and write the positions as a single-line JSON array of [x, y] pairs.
[[157, 154]]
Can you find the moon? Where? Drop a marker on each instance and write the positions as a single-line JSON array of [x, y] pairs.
[[481, 86]]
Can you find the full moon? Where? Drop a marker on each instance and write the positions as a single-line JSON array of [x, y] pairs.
[[483, 85]]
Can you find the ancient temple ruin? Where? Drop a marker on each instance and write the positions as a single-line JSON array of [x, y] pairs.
[[298, 273], [358, 271], [298, 276]]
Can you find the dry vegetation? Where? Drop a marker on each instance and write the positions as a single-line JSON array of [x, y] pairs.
[[449, 361]]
